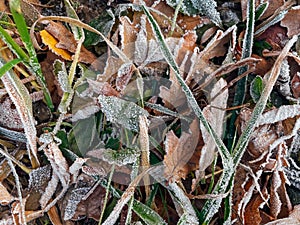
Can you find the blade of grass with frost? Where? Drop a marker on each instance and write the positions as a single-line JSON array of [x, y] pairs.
[[211, 206], [22, 101], [241, 90], [78, 32], [189, 216], [189, 95], [148, 215], [260, 106], [9, 65], [260, 10], [15, 8]]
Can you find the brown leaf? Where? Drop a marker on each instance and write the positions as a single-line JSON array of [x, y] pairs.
[[178, 153], [292, 219], [214, 114], [5, 197], [295, 85], [291, 21], [252, 211], [67, 42], [273, 6], [9, 116], [92, 206]]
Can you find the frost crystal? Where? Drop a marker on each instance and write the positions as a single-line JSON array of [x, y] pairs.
[[194, 7], [122, 112], [75, 198], [39, 176]]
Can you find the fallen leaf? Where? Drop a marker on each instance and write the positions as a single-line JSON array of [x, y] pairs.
[[290, 21], [67, 42], [295, 85], [292, 219], [51, 42], [5, 197], [214, 113], [178, 153]]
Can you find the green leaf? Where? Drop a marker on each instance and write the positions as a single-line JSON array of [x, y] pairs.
[[241, 87], [9, 65], [256, 88], [195, 7], [104, 24]]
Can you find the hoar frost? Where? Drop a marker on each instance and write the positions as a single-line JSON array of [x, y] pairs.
[[122, 112]]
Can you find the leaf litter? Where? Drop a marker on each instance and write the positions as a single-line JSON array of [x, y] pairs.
[[124, 88]]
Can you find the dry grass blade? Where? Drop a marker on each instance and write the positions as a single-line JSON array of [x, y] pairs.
[[145, 152], [21, 99]]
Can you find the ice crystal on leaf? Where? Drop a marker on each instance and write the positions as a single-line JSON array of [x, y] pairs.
[[194, 7], [122, 112]]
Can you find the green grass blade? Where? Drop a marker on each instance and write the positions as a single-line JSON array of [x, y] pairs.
[[15, 8], [246, 52], [13, 46], [148, 215], [9, 65], [189, 95]]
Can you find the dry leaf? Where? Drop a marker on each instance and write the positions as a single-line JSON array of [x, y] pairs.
[[9, 116], [5, 197], [178, 153], [51, 42], [214, 113], [291, 21], [292, 219], [65, 40], [295, 85]]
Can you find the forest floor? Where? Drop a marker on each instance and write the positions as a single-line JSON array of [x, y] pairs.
[[149, 112]]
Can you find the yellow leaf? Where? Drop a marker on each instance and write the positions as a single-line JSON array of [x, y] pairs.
[[51, 42]]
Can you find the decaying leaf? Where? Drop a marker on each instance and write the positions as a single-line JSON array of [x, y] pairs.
[[51, 42], [9, 116], [62, 42], [178, 153], [5, 197], [265, 170], [214, 114], [295, 85], [292, 219], [290, 21], [193, 7]]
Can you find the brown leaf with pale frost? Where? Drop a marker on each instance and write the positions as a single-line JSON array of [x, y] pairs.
[[292, 219], [184, 22], [178, 153], [5, 197], [291, 21], [273, 6]]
